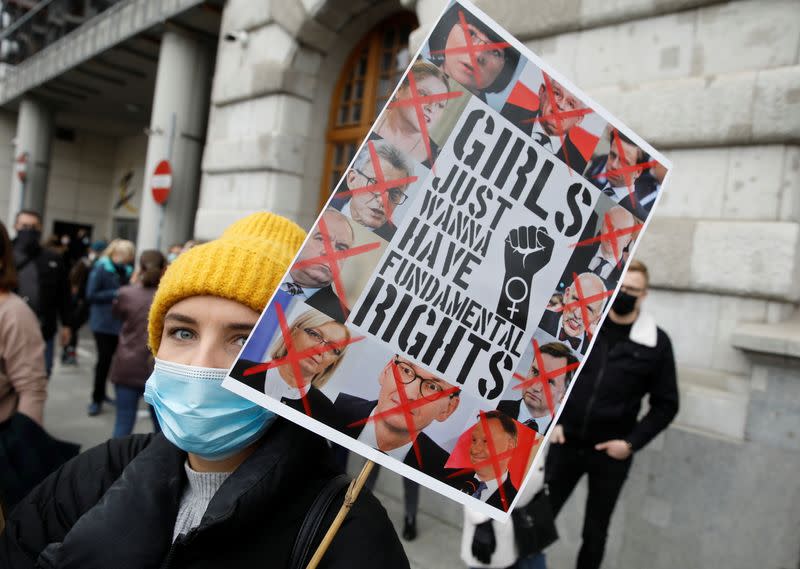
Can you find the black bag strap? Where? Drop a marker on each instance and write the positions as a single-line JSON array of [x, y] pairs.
[[307, 538]]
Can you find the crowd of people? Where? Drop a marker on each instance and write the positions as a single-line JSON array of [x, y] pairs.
[[194, 317]]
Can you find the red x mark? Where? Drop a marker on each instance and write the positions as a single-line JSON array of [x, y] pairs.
[[493, 461], [559, 115], [418, 102], [471, 48], [293, 357], [583, 302], [331, 259], [382, 186], [626, 170], [543, 377], [405, 407], [611, 235]]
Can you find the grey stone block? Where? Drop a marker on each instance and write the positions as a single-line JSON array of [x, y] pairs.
[[730, 257], [668, 242], [776, 105]]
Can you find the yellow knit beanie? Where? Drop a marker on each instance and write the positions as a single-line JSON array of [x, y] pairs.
[[245, 264]]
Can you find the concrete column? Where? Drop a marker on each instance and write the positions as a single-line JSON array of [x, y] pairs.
[[34, 134], [178, 126]]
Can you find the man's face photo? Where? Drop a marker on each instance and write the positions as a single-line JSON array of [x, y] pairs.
[[320, 274], [562, 101], [479, 453], [534, 396], [372, 209], [417, 384], [620, 218], [631, 156], [572, 316]]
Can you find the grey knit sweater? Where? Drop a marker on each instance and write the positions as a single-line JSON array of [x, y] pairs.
[[198, 493]]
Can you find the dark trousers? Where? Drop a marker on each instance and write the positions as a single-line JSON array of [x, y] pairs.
[[564, 468], [106, 346]]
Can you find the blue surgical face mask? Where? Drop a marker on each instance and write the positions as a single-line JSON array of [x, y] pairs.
[[200, 416]]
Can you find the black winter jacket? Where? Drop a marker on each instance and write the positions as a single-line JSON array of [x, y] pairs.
[[55, 300], [115, 507], [605, 402]]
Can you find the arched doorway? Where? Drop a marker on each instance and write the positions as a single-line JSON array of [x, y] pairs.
[[367, 80]]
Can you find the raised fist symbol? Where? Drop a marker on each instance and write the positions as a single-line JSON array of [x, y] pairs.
[[528, 250]]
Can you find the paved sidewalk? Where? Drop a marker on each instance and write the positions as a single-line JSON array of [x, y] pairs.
[[66, 418]]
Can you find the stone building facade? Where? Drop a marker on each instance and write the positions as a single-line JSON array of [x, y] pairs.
[[715, 86]]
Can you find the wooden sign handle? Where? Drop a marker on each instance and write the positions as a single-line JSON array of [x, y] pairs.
[[349, 499]]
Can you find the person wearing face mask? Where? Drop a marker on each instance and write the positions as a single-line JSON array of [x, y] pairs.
[[226, 483], [109, 273], [599, 429], [43, 282], [78, 279]]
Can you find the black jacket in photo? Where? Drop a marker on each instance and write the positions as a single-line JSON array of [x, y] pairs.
[[326, 300], [115, 506], [606, 399]]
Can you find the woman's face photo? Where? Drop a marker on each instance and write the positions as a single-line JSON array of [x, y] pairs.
[[320, 336], [432, 111], [460, 66]]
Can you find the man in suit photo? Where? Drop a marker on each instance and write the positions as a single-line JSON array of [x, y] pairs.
[[569, 325], [600, 257], [381, 425], [540, 122], [370, 208], [314, 282], [485, 485], [532, 410], [614, 175]]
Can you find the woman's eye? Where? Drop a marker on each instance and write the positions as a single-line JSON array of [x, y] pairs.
[[182, 334], [240, 341]]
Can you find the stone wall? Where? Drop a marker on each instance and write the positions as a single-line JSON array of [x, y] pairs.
[[716, 87]]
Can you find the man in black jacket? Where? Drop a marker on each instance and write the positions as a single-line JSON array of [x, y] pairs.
[[43, 281], [598, 431]]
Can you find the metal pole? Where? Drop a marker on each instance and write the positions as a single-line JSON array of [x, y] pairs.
[[170, 141]]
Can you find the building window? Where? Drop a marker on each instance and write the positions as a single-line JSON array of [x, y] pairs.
[[365, 84]]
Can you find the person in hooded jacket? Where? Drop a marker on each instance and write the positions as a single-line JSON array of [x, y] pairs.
[[112, 271], [226, 483], [132, 363]]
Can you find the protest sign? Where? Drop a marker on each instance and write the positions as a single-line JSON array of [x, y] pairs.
[[443, 303]]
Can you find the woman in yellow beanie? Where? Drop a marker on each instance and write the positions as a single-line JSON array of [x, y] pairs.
[[226, 483]]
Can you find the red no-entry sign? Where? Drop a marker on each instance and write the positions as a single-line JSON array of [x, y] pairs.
[[161, 182]]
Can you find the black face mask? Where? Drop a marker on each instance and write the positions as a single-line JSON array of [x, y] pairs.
[[624, 304], [28, 240]]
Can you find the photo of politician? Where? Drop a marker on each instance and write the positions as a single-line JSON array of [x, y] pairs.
[[606, 242], [334, 265], [625, 173], [574, 320], [471, 53], [407, 400], [416, 111], [491, 458], [321, 340], [544, 373], [554, 117], [361, 196]]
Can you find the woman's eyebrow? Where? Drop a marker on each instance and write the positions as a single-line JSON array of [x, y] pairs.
[[237, 326], [180, 318]]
